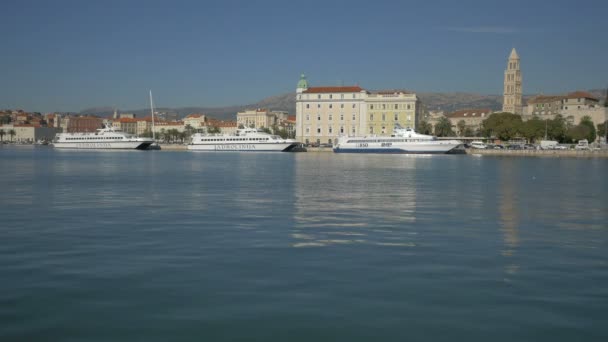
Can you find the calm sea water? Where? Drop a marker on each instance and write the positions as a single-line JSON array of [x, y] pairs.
[[178, 246]]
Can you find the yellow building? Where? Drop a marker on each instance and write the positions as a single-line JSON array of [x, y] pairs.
[[390, 107]]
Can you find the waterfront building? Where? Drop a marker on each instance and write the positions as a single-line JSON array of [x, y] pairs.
[[572, 106], [258, 118], [472, 118], [388, 107], [144, 125], [196, 121], [28, 133], [512, 93], [324, 113], [128, 125], [161, 127], [225, 127], [327, 112]]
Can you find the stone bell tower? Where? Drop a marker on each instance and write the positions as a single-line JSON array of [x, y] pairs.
[[512, 99]]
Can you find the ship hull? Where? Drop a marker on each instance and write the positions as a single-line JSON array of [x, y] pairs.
[[254, 147], [439, 147], [118, 145]]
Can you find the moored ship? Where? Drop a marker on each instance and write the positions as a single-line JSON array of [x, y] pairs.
[[403, 140], [103, 138], [245, 140]]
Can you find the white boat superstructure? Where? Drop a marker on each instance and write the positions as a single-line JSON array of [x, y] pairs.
[[246, 139], [403, 140], [103, 138]]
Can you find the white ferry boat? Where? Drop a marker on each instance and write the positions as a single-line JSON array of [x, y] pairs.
[[246, 139], [403, 140], [103, 138]]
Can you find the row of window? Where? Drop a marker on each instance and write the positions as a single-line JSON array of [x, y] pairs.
[[95, 138], [331, 105], [234, 139], [510, 77], [384, 140], [396, 116], [330, 130], [330, 96], [330, 117], [395, 106]]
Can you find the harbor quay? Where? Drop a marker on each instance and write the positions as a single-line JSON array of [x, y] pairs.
[[603, 153]]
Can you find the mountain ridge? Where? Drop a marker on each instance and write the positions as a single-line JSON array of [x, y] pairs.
[[445, 101]]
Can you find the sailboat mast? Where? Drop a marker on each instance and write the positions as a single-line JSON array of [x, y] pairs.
[[152, 110]]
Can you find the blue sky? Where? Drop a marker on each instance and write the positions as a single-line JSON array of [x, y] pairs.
[[69, 55]]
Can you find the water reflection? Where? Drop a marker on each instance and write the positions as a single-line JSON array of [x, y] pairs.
[[355, 199], [509, 215]]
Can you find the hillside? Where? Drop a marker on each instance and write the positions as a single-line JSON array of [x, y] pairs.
[[448, 102]]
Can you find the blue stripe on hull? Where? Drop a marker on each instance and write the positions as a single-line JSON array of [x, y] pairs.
[[385, 151]]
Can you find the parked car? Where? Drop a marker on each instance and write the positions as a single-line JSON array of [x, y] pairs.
[[582, 145], [515, 147], [499, 147], [560, 147], [548, 144], [529, 147], [478, 145]]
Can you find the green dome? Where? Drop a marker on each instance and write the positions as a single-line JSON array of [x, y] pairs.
[[302, 83]]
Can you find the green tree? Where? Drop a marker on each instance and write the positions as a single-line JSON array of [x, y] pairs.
[[591, 133], [534, 129], [147, 133], [12, 133], [468, 132], [443, 128], [2, 133], [576, 133], [557, 129], [213, 130], [503, 126], [265, 130], [461, 127], [424, 127], [601, 129], [280, 131]]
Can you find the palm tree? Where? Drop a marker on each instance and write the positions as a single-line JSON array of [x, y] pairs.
[[443, 128], [461, 126], [12, 133], [2, 133]]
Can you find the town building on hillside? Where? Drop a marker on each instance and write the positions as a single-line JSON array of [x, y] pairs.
[[512, 94], [573, 107], [390, 107], [80, 124], [472, 118]]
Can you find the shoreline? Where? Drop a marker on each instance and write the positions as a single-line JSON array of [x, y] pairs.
[[541, 153], [473, 152]]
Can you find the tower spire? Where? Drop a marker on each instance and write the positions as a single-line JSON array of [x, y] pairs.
[[512, 93]]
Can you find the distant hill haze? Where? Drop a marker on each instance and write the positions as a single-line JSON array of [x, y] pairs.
[[447, 102]]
